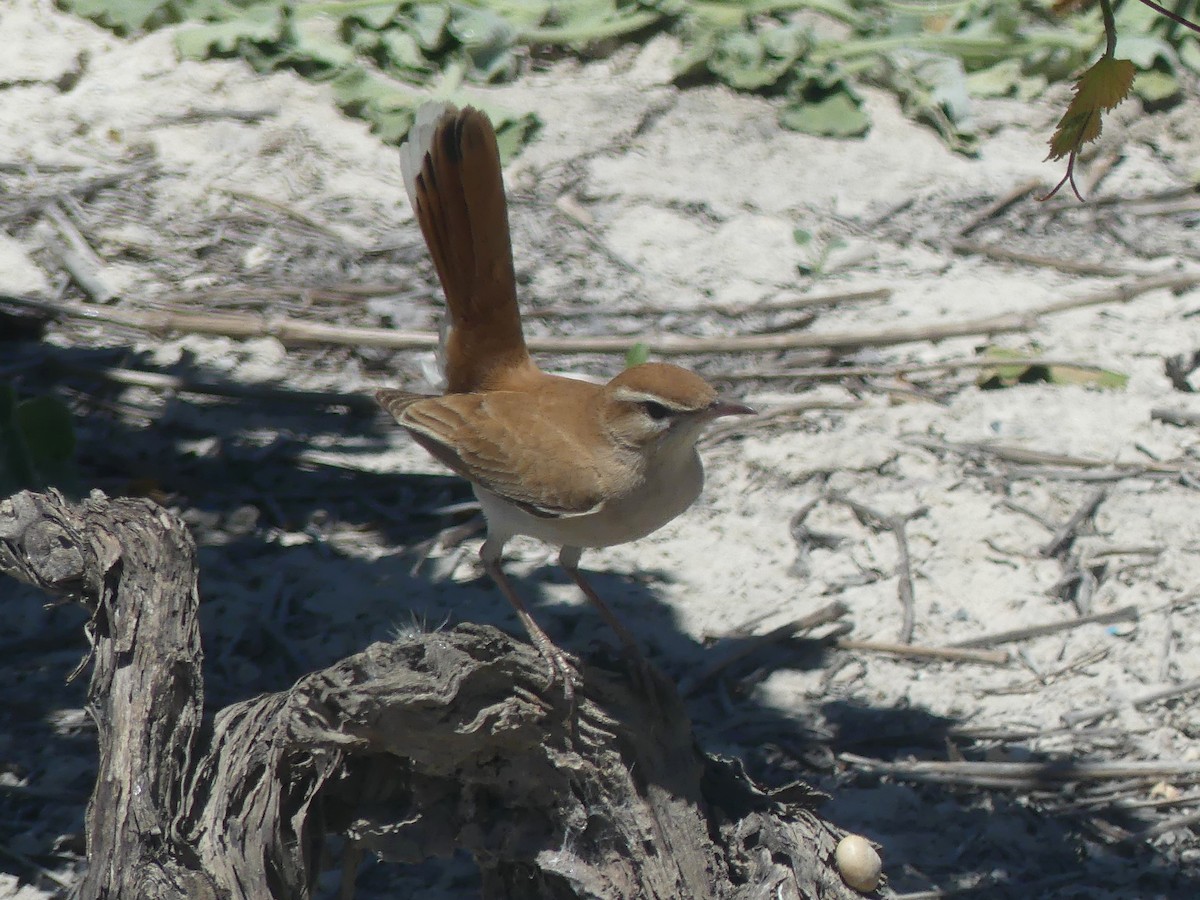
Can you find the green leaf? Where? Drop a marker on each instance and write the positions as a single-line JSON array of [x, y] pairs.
[[513, 132], [1000, 80], [693, 59], [428, 22], [390, 106], [838, 115], [37, 443], [1100, 378], [1155, 86], [260, 23], [1098, 90], [1006, 79], [1021, 371], [391, 125], [933, 88], [387, 105], [751, 61], [487, 39], [637, 354], [377, 15], [1144, 51], [403, 51], [318, 39], [1189, 54], [123, 16], [478, 27], [47, 430]]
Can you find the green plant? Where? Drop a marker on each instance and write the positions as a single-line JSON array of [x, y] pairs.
[[819, 246], [637, 354], [37, 443], [384, 57], [1150, 48]]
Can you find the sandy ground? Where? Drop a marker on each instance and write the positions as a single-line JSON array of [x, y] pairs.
[[693, 197]]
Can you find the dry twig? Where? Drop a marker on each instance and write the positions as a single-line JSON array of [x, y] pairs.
[[721, 431], [899, 370], [83, 189], [732, 310], [78, 257], [1078, 717], [1124, 614], [1062, 263], [1153, 831], [917, 651], [1027, 775], [1043, 458], [1179, 417], [293, 331], [896, 525], [1065, 535], [1000, 205], [751, 645]]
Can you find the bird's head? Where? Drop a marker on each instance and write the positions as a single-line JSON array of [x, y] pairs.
[[658, 404]]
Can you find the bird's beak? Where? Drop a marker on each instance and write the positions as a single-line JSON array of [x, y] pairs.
[[730, 408]]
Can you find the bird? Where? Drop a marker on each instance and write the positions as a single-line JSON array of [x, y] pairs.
[[573, 463]]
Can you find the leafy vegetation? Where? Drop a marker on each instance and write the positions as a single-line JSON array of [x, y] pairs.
[[384, 56], [1013, 368], [37, 444], [637, 354], [1130, 46]]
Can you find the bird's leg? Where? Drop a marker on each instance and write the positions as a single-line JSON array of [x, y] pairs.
[[645, 678], [560, 667], [568, 558]]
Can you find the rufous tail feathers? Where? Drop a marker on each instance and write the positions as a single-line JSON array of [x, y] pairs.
[[451, 168]]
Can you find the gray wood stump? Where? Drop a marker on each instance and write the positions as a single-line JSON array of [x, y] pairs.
[[410, 749]]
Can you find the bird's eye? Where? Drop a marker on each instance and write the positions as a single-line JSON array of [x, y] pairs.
[[655, 410]]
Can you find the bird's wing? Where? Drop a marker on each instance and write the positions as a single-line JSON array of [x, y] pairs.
[[505, 442]]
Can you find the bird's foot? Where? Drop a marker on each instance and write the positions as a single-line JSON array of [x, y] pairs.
[[560, 667]]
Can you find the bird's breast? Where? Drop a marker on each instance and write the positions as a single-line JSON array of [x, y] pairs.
[[666, 490]]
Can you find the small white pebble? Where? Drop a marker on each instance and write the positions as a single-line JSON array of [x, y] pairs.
[[858, 863]]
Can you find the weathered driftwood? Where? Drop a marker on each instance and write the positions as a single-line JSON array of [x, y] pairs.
[[410, 749]]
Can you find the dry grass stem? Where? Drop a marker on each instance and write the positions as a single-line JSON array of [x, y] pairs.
[[1124, 614]]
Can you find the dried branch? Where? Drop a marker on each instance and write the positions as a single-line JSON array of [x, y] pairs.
[[1062, 263], [950, 654], [1065, 535], [410, 749], [78, 257], [84, 188], [1000, 205], [896, 525], [1179, 417], [1173, 193], [1030, 457], [1027, 775], [723, 430], [1078, 717], [733, 310], [1124, 614], [297, 332], [839, 373]]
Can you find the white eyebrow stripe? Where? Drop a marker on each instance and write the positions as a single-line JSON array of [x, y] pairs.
[[642, 397]]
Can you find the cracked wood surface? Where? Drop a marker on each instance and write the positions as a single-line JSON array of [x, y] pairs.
[[411, 749]]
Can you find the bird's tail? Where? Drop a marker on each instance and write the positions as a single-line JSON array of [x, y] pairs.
[[451, 168]]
